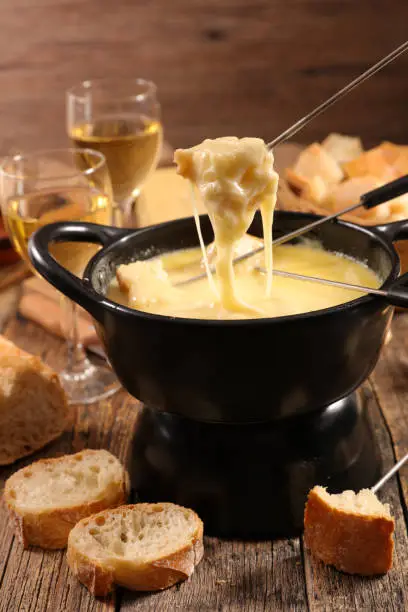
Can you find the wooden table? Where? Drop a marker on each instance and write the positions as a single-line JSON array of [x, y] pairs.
[[234, 575]]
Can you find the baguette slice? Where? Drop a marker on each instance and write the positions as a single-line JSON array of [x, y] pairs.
[[352, 532], [33, 405], [47, 498], [144, 547]]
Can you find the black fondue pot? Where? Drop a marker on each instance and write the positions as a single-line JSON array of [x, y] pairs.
[[243, 417]]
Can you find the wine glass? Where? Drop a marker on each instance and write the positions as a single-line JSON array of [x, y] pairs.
[[58, 185], [121, 118]]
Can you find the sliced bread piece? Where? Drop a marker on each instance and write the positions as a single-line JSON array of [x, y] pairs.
[[47, 498], [33, 405], [352, 531], [144, 547]]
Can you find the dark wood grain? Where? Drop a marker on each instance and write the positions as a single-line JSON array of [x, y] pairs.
[[390, 383], [329, 589], [222, 66], [46, 583], [234, 576]]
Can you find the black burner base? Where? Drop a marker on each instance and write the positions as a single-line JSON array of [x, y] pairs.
[[251, 481]]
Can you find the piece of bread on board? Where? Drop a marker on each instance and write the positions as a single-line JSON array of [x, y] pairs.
[[351, 531], [314, 161], [47, 498], [144, 547], [342, 148], [33, 405], [373, 162]]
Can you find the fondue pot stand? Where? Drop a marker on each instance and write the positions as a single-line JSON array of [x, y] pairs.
[[240, 418]]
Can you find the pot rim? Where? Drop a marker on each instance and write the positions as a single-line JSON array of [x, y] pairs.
[[114, 307]]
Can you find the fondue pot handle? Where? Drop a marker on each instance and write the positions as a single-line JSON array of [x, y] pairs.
[[393, 231], [66, 282], [398, 290]]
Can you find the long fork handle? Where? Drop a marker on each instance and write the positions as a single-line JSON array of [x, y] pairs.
[[296, 127]]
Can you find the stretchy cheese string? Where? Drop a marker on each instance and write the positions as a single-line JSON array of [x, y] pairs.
[[202, 245]]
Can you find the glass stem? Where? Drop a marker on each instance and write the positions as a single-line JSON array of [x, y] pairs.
[[77, 360], [117, 215]]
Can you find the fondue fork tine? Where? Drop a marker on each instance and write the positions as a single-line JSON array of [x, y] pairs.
[[368, 200], [393, 295], [325, 281], [296, 127]]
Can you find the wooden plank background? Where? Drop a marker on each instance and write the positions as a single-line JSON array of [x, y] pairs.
[[244, 67]]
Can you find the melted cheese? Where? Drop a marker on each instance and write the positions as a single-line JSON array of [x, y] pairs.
[[235, 177], [145, 291]]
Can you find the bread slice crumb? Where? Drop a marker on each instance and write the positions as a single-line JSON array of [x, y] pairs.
[[351, 531], [144, 547], [47, 498]]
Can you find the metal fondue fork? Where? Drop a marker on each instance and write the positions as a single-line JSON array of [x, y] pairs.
[[390, 473], [298, 126], [368, 200]]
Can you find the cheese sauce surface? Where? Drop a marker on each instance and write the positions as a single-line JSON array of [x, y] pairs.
[[152, 283]]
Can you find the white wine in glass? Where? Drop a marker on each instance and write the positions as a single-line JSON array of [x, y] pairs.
[[26, 213], [61, 185], [121, 119]]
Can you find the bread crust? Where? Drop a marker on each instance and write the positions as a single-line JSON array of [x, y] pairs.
[[50, 528], [162, 573], [13, 357], [351, 542], [98, 579]]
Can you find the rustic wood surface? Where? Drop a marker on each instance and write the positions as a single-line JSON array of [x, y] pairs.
[[222, 66], [234, 575]]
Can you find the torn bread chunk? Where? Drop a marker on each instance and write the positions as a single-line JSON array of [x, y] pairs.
[[314, 161], [342, 148], [392, 152], [316, 190], [349, 192], [373, 162], [244, 245], [33, 404], [351, 531], [146, 282]]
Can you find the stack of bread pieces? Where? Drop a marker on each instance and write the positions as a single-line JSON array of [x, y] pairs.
[[77, 501], [332, 175]]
